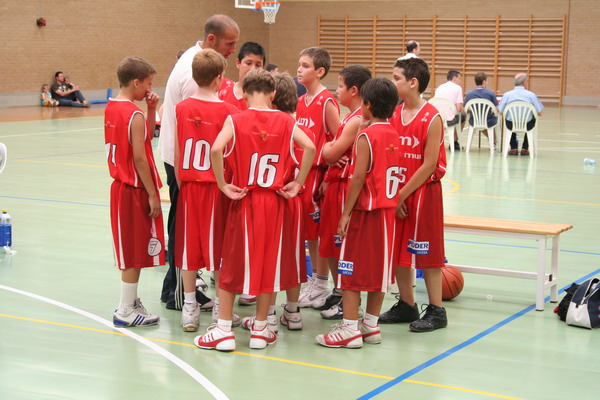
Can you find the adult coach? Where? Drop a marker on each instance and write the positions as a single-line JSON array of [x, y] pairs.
[[221, 34], [412, 50]]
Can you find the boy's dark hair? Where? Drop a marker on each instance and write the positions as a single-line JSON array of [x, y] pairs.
[[57, 74], [258, 80], [355, 75], [415, 68], [382, 96], [286, 94], [133, 67], [411, 45], [252, 48], [452, 74], [206, 66], [271, 67], [320, 58], [479, 78]]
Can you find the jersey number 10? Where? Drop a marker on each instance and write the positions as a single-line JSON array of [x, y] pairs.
[[199, 157]]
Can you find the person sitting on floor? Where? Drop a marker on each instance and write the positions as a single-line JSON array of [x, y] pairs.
[[66, 96], [46, 97]]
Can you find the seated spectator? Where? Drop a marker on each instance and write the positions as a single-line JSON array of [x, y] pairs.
[[46, 97], [66, 96], [520, 93], [482, 92], [452, 91], [272, 68]]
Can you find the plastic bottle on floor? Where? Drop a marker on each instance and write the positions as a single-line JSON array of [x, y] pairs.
[[589, 161], [5, 229]]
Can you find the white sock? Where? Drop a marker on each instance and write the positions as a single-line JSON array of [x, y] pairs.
[[351, 323], [128, 295], [371, 320], [189, 298], [272, 309], [216, 301], [259, 325], [224, 324], [322, 281], [291, 306]]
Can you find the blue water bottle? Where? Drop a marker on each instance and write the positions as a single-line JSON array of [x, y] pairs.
[[5, 229]]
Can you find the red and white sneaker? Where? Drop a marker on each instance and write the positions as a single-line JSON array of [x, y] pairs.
[[216, 338], [247, 322], [261, 339], [370, 334], [341, 336]]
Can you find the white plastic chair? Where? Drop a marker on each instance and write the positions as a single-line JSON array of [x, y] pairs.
[[3, 157], [445, 107], [520, 113], [479, 110]]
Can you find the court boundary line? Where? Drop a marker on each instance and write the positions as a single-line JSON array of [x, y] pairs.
[[460, 346], [188, 369], [270, 358], [50, 133]]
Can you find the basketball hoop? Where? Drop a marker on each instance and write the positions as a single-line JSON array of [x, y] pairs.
[[269, 8]]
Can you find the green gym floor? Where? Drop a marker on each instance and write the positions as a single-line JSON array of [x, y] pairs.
[[58, 293]]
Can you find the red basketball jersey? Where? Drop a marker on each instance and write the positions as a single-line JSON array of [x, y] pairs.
[[298, 151], [227, 94], [198, 124], [413, 135], [224, 85], [383, 180], [261, 153], [117, 138], [335, 173], [312, 116]]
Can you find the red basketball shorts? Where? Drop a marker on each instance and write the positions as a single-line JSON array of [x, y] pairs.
[[200, 225], [138, 240], [263, 250], [331, 212], [421, 234], [368, 251]]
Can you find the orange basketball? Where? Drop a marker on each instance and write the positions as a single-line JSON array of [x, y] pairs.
[[452, 282]]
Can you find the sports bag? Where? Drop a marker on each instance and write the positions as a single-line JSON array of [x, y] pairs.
[[584, 309]]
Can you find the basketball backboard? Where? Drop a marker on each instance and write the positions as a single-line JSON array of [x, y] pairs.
[[251, 4]]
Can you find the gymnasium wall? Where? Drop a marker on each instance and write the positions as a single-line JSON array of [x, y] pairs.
[[86, 39]]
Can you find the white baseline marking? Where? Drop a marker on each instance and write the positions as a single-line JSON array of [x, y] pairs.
[[201, 379], [50, 133]]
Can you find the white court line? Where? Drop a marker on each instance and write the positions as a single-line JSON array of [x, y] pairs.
[[570, 141], [50, 133], [201, 379]]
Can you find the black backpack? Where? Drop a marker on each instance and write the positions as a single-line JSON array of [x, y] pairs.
[[563, 306]]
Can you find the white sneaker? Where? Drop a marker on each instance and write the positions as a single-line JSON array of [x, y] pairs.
[[293, 321], [315, 295], [236, 321], [135, 316], [190, 317], [305, 291], [247, 322], [216, 338], [261, 339], [341, 336], [247, 300], [370, 334]]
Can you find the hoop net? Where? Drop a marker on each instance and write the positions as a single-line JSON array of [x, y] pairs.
[[269, 8]]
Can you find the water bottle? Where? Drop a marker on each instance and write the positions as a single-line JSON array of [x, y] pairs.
[[5, 229], [589, 161]]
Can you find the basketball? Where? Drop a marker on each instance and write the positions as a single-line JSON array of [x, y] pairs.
[[452, 282]]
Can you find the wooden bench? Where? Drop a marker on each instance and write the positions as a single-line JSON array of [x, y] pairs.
[[537, 231]]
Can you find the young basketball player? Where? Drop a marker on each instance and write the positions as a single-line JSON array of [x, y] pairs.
[[251, 56], [201, 208], [337, 153], [369, 221], [286, 99], [259, 238], [421, 223], [318, 111], [135, 211]]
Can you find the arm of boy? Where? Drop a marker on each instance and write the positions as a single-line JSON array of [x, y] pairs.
[[334, 151], [291, 189], [430, 158], [177, 157], [332, 119], [151, 102], [216, 159], [138, 133], [363, 160]]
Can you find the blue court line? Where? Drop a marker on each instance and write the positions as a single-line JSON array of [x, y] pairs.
[[464, 344], [59, 201], [520, 247]]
